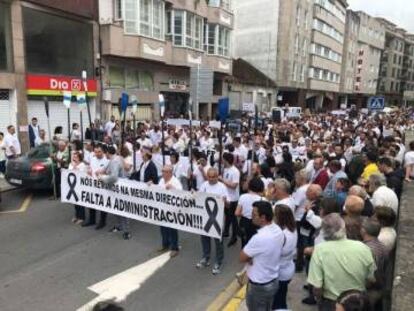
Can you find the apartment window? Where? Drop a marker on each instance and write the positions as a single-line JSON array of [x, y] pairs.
[[217, 40], [327, 30], [305, 47], [226, 4], [392, 86], [395, 59], [298, 12], [118, 12], [297, 44], [305, 22], [144, 17], [6, 62], [128, 78], [393, 72], [294, 71], [185, 29], [302, 73], [326, 52]]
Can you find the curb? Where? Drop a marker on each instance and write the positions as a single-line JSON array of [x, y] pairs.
[[235, 302], [225, 297]]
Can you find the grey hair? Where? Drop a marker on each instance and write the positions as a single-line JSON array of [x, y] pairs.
[[283, 184], [333, 227], [372, 227], [358, 191], [377, 180]]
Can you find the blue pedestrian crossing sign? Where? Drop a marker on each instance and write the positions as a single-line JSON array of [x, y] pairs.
[[376, 103]]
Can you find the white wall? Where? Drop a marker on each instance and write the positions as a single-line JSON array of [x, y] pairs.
[[255, 33]]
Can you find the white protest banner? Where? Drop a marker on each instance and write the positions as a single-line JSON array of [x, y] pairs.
[[248, 107], [199, 213], [214, 124], [182, 122]]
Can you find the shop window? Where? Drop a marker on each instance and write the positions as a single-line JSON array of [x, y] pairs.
[[5, 38], [116, 77], [132, 79], [57, 45], [146, 81]]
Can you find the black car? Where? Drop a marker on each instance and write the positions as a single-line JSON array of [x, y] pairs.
[[33, 170]]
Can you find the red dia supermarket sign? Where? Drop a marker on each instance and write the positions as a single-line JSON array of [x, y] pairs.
[[56, 85]]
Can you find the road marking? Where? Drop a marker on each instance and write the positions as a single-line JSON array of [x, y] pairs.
[[235, 302], [25, 205], [224, 297], [119, 286]]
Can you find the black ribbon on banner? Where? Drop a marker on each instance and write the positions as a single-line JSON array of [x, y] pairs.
[[72, 184], [212, 211]]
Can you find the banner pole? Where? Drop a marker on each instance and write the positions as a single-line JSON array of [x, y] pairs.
[[46, 101], [81, 126], [70, 153]]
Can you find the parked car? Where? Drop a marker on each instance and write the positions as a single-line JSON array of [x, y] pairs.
[[33, 170]]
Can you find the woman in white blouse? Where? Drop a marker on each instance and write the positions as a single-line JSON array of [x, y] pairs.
[[78, 165], [285, 219]]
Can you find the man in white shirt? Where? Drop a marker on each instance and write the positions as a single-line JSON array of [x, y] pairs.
[[281, 193], [231, 179], [212, 186], [11, 143], [200, 170], [381, 194], [262, 256], [299, 195], [109, 126], [169, 235], [409, 163], [41, 139], [97, 166]]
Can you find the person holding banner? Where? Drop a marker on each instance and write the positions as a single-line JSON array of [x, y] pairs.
[[113, 171], [212, 186], [98, 164], [169, 235], [77, 164], [231, 179]]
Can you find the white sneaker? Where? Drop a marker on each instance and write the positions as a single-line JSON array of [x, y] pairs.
[[203, 263], [216, 269]]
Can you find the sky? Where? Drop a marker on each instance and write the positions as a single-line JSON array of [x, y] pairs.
[[400, 12]]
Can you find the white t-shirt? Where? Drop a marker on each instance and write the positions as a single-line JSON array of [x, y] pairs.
[[409, 160], [246, 203], [385, 196], [199, 175], [287, 266], [232, 174], [299, 196], [289, 202], [109, 127], [265, 248], [98, 164], [11, 141], [218, 189], [81, 167], [388, 236], [173, 182]]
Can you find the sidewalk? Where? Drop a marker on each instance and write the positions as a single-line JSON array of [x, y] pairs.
[[5, 186], [295, 295]]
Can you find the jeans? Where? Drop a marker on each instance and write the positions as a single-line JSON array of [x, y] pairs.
[[169, 238], [2, 167], [247, 229], [79, 212], [260, 297], [92, 217], [206, 244], [123, 223], [231, 219], [279, 300], [303, 242]]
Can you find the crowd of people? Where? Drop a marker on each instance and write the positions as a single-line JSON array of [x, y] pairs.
[[317, 194]]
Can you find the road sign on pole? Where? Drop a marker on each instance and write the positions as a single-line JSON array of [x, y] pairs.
[[376, 103]]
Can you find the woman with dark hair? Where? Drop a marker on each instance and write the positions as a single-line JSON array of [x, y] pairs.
[[78, 165], [286, 168], [245, 207], [285, 219], [352, 300]]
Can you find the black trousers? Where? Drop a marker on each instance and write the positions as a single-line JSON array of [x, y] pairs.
[[79, 212], [247, 229], [231, 219], [279, 301], [92, 217]]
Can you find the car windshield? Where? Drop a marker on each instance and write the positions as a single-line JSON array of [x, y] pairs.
[[40, 152]]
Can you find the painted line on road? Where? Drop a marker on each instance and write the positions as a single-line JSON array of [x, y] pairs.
[[235, 302], [119, 286], [225, 297], [23, 208]]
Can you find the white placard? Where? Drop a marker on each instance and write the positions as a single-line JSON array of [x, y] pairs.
[[199, 213], [182, 122], [215, 124], [248, 107]]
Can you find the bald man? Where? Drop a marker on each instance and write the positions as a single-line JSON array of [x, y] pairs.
[[354, 206]]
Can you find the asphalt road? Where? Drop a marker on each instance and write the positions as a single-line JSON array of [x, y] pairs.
[[48, 263]]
